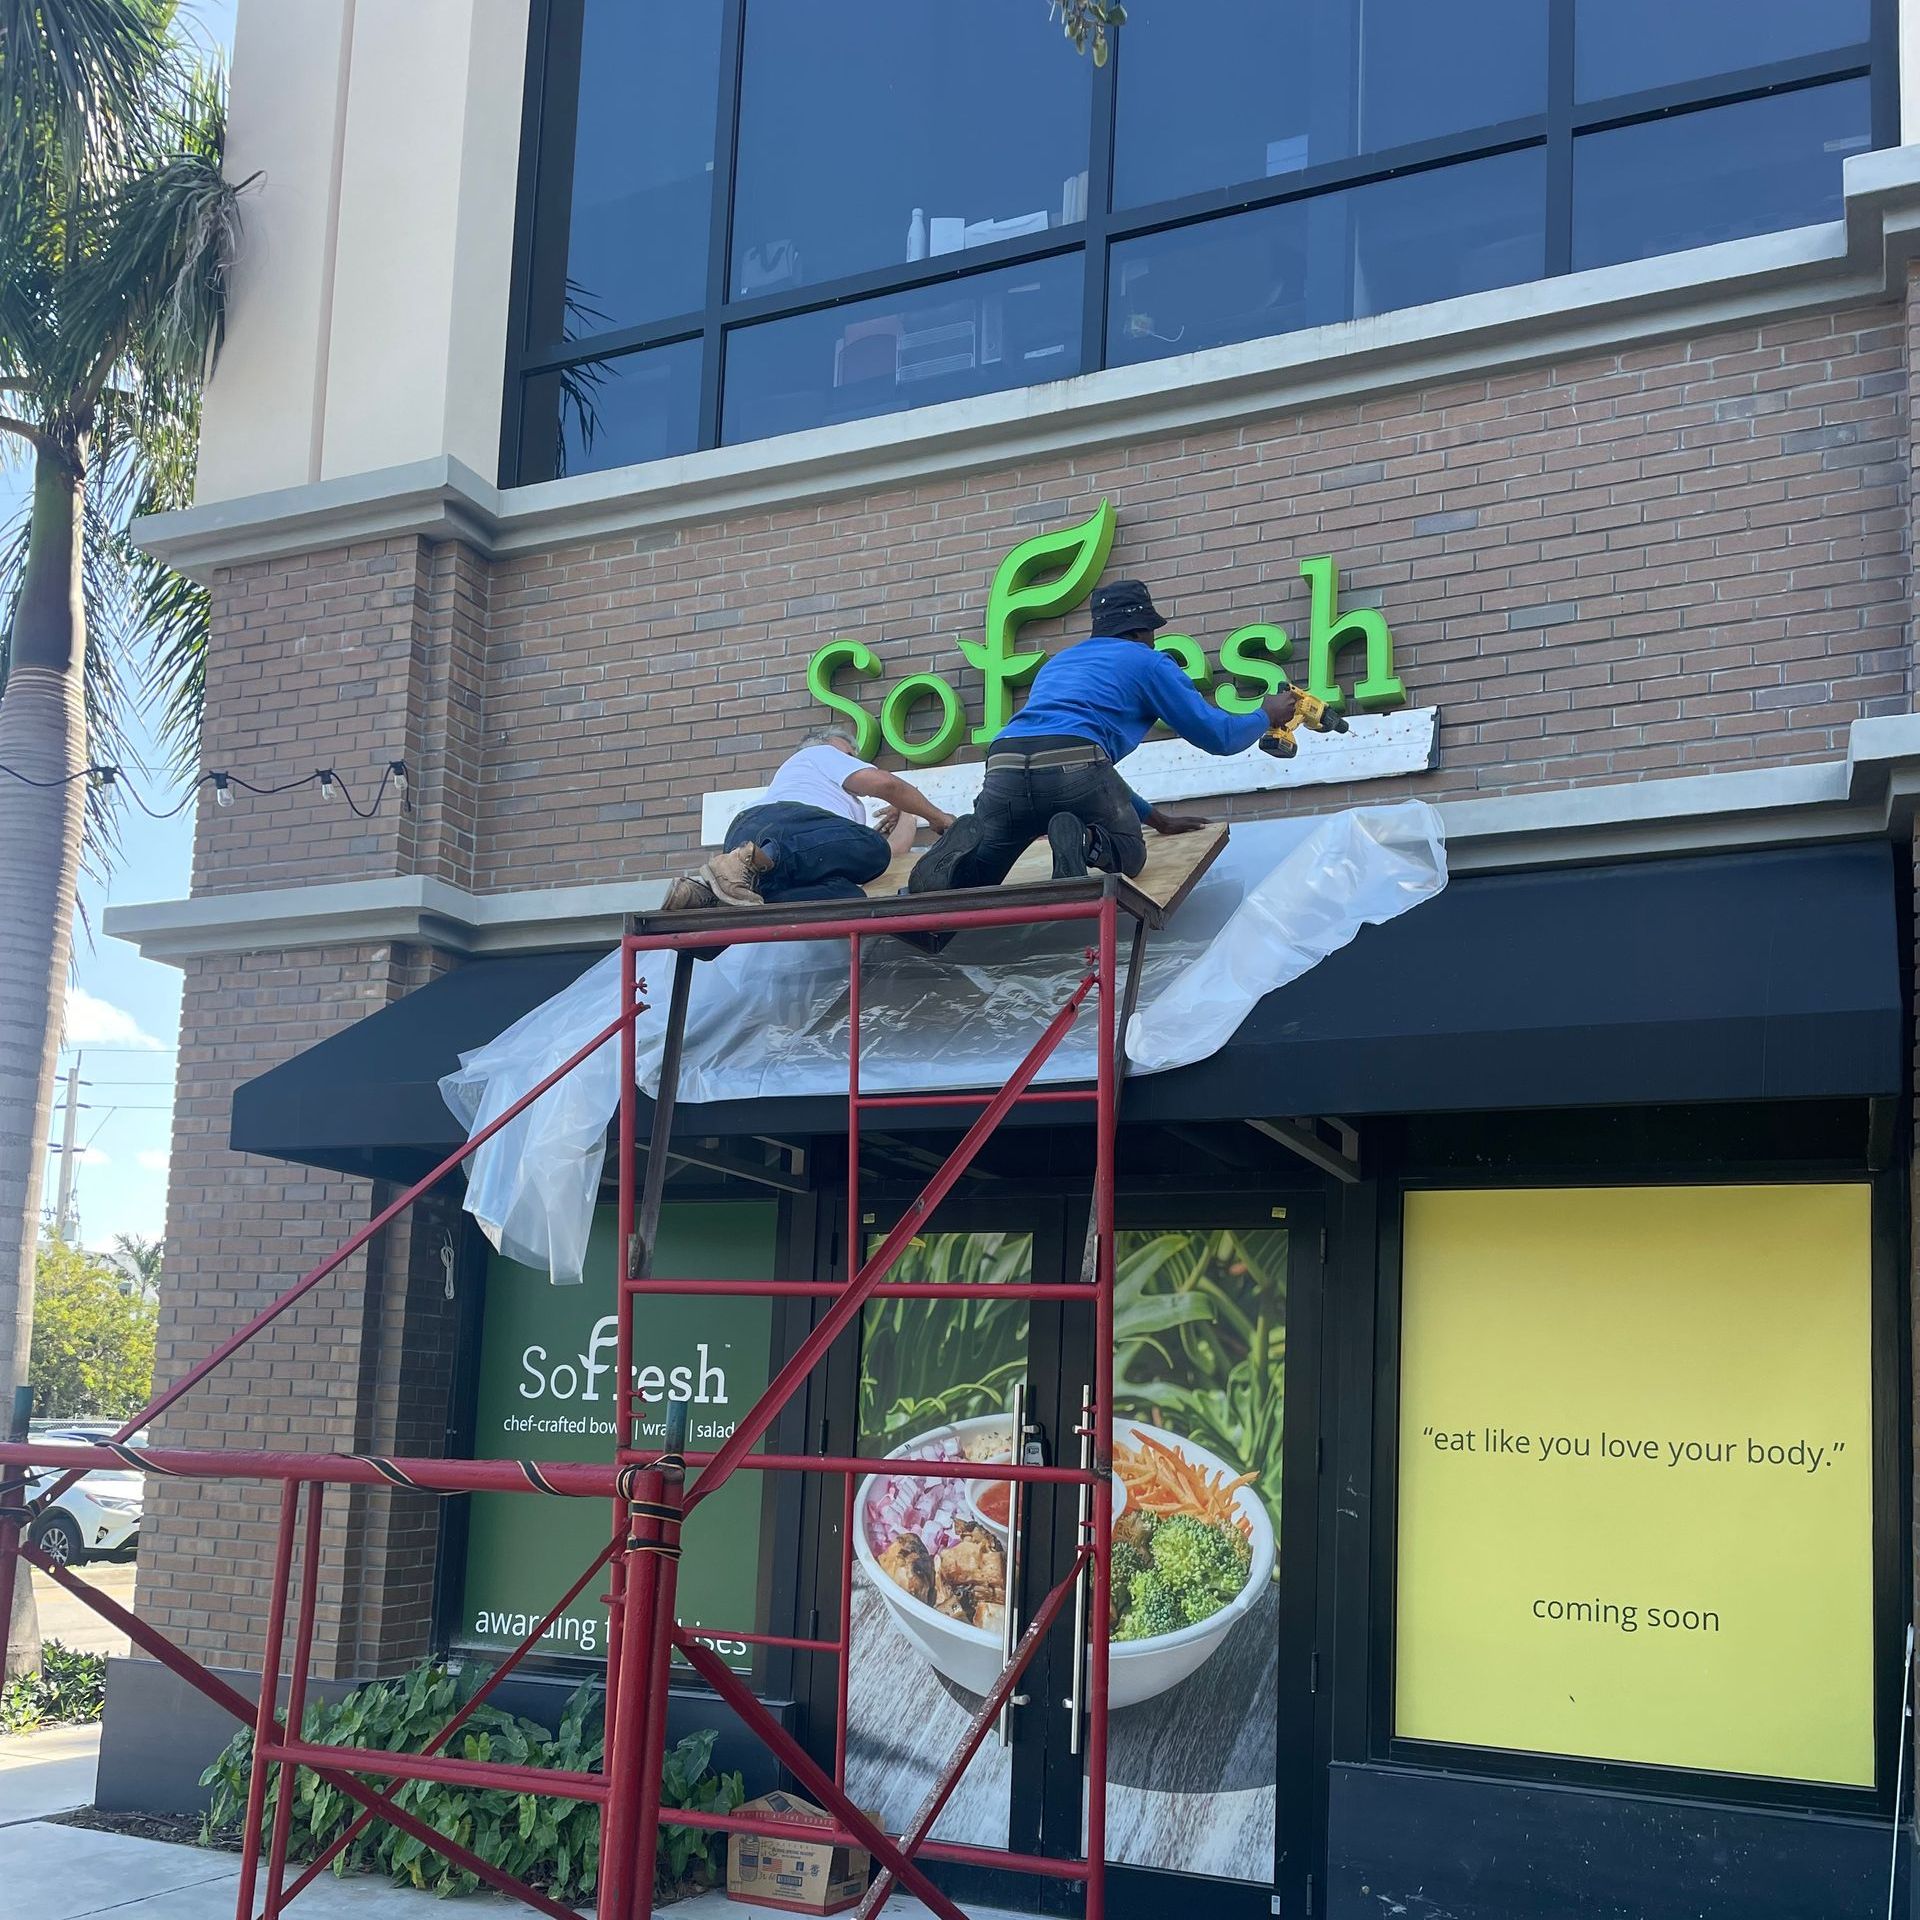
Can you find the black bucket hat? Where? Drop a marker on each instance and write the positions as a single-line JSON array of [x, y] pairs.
[[1125, 606]]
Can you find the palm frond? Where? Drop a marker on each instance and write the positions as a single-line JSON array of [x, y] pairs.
[[166, 613], [146, 305], [104, 591], [171, 614], [73, 75]]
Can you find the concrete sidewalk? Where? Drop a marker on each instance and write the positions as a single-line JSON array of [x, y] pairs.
[[73, 1873], [55, 1872], [46, 1773]]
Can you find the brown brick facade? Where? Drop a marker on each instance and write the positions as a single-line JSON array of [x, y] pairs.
[[361, 1364], [1686, 557]]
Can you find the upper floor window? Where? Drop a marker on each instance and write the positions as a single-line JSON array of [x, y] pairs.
[[749, 217], [875, 135]]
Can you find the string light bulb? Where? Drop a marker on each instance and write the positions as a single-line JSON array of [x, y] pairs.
[[222, 790], [397, 773], [325, 776]]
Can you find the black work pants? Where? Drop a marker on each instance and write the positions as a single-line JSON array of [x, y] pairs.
[[1016, 803]]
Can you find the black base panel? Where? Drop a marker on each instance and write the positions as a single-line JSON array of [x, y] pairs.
[[1455, 1847]]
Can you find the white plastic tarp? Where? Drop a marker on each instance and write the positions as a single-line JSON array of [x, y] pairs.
[[772, 1020]]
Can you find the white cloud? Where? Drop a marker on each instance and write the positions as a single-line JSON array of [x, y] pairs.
[[91, 1157], [151, 1159], [92, 1022]]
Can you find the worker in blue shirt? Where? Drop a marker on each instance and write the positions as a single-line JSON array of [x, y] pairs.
[[1050, 770]]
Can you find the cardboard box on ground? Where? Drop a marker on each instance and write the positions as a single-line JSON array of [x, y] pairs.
[[784, 1870]]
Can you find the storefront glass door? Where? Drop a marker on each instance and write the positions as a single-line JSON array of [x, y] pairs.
[[1200, 1666], [933, 1556], [1208, 1685]]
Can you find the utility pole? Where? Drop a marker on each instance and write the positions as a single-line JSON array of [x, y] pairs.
[[63, 1211]]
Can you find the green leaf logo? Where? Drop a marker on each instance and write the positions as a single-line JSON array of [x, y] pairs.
[[1047, 575]]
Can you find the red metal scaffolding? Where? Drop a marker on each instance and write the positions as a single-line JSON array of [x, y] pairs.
[[651, 1492]]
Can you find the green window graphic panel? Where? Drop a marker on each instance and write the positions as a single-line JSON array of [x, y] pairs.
[[546, 1392]]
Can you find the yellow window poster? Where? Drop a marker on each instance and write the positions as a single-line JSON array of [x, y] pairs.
[[1635, 1509]]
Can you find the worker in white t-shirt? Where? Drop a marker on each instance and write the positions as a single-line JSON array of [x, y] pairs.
[[808, 838]]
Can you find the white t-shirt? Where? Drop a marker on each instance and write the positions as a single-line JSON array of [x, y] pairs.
[[816, 777]]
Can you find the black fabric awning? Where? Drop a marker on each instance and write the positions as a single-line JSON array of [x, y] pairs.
[[1744, 976]]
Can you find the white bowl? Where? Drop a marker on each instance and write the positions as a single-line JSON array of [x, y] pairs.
[[969, 1656]]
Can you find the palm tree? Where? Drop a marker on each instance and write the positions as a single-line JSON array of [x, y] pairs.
[[138, 1261], [116, 233]]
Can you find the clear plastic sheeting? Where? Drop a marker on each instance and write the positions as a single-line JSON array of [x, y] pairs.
[[771, 1020], [1350, 870]]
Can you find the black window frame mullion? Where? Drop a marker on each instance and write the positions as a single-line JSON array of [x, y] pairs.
[[542, 222], [1102, 124], [1511, 136], [530, 215], [1883, 27], [615, 346], [726, 154], [1723, 90], [1559, 229]]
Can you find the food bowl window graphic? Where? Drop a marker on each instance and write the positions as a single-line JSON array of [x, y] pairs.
[[934, 1551]]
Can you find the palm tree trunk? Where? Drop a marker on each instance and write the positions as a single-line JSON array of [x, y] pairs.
[[43, 736]]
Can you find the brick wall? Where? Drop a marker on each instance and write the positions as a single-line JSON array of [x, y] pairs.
[[1684, 557], [361, 1363]]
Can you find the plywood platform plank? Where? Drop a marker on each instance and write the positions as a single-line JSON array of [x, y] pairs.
[[1174, 863]]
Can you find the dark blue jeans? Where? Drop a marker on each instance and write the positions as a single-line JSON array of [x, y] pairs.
[[816, 855]]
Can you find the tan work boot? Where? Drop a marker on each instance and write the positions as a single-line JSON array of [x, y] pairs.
[[687, 893], [729, 879]]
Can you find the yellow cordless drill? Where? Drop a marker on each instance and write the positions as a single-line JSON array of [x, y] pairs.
[[1309, 711]]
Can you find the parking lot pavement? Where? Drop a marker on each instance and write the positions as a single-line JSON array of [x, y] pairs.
[[65, 1619]]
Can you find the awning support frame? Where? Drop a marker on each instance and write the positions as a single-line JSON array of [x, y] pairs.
[[1330, 1144]]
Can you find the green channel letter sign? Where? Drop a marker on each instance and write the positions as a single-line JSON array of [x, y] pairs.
[[1052, 574], [547, 1392]]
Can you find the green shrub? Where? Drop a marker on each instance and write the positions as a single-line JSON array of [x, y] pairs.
[[549, 1842], [70, 1690]]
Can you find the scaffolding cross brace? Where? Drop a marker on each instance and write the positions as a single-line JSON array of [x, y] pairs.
[[649, 1490]]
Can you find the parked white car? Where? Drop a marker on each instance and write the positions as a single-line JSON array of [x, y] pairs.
[[98, 1514]]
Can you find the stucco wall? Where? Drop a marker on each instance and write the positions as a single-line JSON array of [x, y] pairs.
[[368, 325]]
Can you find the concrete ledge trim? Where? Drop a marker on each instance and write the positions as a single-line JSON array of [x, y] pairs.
[[1871, 793], [1860, 258]]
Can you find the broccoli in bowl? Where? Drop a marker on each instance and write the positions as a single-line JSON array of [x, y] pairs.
[[1169, 1574]]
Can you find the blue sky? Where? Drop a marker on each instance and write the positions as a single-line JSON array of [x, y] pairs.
[[123, 1016]]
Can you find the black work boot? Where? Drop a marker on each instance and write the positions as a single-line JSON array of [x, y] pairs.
[[944, 864], [1067, 836]]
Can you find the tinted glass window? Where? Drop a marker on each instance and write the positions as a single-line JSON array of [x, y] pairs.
[[642, 163], [1432, 236], [613, 413], [1621, 46], [1271, 271], [1216, 93], [1400, 243], [979, 334], [1718, 174], [878, 132]]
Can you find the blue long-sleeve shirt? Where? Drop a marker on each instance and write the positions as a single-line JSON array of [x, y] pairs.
[[1112, 692]]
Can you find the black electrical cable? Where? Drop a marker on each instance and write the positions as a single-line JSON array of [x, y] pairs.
[[65, 780], [222, 781], [153, 813]]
